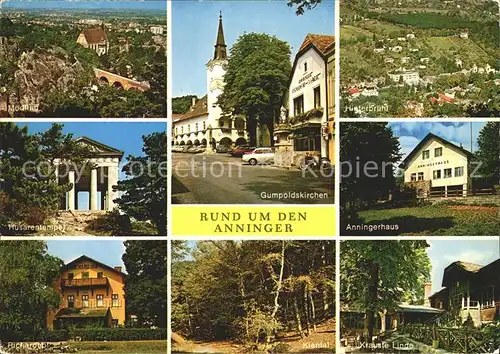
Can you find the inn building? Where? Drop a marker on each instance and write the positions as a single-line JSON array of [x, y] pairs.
[[204, 124], [437, 167], [306, 124], [92, 294]]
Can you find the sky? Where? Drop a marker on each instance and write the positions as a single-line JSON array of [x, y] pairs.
[[154, 5], [126, 137], [444, 252], [410, 133], [194, 31], [108, 252]]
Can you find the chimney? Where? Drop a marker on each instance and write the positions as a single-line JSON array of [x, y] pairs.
[[118, 269], [427, 293], [193, 101]]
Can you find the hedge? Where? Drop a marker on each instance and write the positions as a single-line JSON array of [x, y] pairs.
[[117, 334], [87, 334]]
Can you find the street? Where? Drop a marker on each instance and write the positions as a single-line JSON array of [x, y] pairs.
[[222, 179]]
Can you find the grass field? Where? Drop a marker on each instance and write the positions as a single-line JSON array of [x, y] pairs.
[[459, 220], [135, 347]]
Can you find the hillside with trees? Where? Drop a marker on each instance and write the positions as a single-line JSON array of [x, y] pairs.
[[253, 296]]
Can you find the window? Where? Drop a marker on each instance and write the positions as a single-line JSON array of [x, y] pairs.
[[436, 174], [189, 128], [447, 173], [305, 66], [196, 125], [317, 97], [85, 301], [176, 130], [425, 154], [100, 300], [85, 275], [420, 176], [459, 171], [114, 299], [298, 105], [204, 125], [99, 275], [71, 301], [438, 152], [413, 177], [182, 130], [71, 276]]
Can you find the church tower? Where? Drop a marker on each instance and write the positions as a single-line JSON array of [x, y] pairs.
[[216, 68]]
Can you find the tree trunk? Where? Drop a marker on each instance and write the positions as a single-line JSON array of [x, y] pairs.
[[313, 311], [297, 317], [278, 287], [306, 310], [371, 301]]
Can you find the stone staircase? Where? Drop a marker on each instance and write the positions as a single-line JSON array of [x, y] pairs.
[[72, 223]]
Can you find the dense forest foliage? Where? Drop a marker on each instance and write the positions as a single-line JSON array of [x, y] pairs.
[[252, 292]]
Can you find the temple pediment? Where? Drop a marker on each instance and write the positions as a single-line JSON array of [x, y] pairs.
[[99, 148]]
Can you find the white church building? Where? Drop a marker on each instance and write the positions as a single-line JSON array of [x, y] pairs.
[[203, 124]]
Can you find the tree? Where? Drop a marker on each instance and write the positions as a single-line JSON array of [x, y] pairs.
[[145, 188], [146, 282], [303, 5], [27, 272], [256, 80], [368, 153], [489, 150], [182, 104], [376, 276], [28, 172]]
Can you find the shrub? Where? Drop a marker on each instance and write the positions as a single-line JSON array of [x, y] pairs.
[[111, 223], [118, 334], [41, 336]]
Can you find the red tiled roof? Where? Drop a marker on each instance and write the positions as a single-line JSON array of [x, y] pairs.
[[354, 90], [95, 35], [321, 41], [199, 109], [445, 98]]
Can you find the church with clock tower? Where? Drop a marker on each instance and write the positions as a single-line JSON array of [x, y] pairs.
[[203, 124]]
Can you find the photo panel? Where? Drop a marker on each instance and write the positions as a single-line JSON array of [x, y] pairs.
[[420, 178], [253, 296], [86, 296], [76, 59], [419, 59], [430, 295], [83, 179], [253, 113]]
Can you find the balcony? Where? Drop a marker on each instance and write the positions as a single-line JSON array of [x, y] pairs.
[[93, 303], [75, 283]]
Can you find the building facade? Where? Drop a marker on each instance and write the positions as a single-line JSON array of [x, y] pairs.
[[95, 39], [469, 290], [307, 121], [98, 181], [203, 124], [91, 293], [436, 167]]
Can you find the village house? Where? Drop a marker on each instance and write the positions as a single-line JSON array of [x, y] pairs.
[[464, 35], [379, 50], [370, 91], [203, 124], [95, 39], [307, 128], [158, 30], [92, 294], [410, 36], [425, 60], [411, 78], [397, 48], [405, 60], [437, 167], [354, 92], [389, 60]]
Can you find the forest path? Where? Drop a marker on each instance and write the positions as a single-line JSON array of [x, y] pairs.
[[225, 347], [321, 341]]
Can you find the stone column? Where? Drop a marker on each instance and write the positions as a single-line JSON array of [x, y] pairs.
[[112, 181], [93, 189], [71, 193]]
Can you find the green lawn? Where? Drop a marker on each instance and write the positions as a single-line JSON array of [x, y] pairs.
[[441, 220], [135, 347]]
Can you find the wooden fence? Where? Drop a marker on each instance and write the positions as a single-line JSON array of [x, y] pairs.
[[454, 340], [457, 193]]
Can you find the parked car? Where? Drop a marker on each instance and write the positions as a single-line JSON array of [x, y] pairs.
[[259, 156], [242, 150], [222, 149]]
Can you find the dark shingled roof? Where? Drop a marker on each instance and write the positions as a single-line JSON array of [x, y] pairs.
[[95, 35]]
